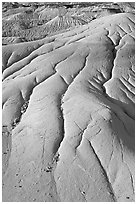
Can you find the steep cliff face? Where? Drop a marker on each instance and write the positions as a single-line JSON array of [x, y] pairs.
[[68, 115]]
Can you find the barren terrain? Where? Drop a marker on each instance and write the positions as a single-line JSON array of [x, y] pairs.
[[68, 107]]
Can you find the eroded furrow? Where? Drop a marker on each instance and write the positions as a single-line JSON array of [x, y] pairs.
[[105, 174]]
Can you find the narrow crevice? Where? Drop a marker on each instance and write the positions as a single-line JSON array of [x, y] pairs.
[[105, 173], [130, 20], [81, 133], [121, 29], [62, 127], [6, 147], [63, 79], [132, 182], [43, 153], [83, 193], [77, 75], [23, 109], [114, 52], [111, 153], [122, 156]]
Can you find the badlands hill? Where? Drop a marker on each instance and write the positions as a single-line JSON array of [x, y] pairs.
[[68, 114], [32, 21]]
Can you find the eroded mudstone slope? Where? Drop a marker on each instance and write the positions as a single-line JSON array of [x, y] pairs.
[[68, 115]]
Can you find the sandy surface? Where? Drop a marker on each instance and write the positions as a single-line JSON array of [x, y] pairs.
[[68, 115]]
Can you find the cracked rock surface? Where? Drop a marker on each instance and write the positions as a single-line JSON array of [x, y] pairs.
[[69, 113]]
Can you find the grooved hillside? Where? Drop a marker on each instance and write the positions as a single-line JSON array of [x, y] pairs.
[[69, 113]]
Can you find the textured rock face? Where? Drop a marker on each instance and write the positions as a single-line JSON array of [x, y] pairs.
[[68, 115]]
